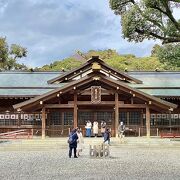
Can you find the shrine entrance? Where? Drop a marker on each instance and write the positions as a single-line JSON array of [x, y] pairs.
[[96, 115]]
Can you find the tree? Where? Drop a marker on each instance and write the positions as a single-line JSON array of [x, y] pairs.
[[148, 19], [17, 51], [127, 62], [9, 56], [155, 49], [3, 50], [168, 54]]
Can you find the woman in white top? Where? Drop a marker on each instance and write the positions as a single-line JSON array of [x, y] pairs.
[[88, 128], [80, 142], [95, 128]]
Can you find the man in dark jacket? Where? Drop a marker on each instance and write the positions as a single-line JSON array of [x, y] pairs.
[[72, 142], [107, 136]]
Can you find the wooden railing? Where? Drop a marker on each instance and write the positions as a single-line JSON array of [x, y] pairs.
[[170, 135], [19, 134]]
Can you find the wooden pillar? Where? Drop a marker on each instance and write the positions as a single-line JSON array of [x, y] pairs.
[[19, 119], [127, 118], [142, 118], [116, 113], [132, 100], [43, 123], [147, 122], [75, 110], [62, 116], [170, 123]]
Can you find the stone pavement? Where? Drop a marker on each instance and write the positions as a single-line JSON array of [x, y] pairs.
[[37, 144], [125, 162]]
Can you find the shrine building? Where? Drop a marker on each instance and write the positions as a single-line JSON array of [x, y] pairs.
[[50, 103]]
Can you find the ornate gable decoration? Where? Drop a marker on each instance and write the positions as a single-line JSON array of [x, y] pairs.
[[96, 66], [95, 94], [93, 65]]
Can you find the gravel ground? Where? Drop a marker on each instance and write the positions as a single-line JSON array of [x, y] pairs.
[[124, 163]]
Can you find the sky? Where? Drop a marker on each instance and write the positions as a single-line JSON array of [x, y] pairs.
[[55, 29]]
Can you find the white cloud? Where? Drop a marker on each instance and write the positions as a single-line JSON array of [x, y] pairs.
[[54, 29]]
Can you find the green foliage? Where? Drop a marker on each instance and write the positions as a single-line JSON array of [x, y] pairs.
[[127, 62], [106, 54], [155, 50], [66, 64], [148, 19], [17, 51], [135, 64], [9, 56], [3, 50], [168, 54]]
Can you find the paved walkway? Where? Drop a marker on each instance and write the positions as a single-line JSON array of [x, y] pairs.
[[124, 163]]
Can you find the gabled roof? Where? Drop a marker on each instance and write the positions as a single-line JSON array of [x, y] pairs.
[[26, 84], [88, 66], [91, 78], [30, 84]]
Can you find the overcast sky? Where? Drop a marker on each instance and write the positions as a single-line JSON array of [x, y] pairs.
[[55, 29]]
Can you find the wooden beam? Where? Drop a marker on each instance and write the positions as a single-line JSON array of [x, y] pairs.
[[120, 104], [116, 114], [75, 110], [43, 123], [90, 103], [88, 92], [147, 121], [58, 106], [137, 106]]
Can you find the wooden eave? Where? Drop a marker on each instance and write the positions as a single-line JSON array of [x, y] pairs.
[[53, 93], [86, 81], [17, 96], [138, 93], [53, 87], [87, 66], [121, 74], [67, 74], [149, 87]]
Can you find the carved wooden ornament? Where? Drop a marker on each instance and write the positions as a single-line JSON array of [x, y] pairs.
[[95, 94]]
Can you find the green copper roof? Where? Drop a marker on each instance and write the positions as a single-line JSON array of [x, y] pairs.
[[162, 92], [158, 83], [157, 79], [26, 83], [35, 83], [27, 79], [23, 92]]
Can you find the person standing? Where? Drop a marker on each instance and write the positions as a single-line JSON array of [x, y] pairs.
[[80, 141], [107, 136], [73, 137], [95, 128], [121, 129], [103, 127], [88, 128]]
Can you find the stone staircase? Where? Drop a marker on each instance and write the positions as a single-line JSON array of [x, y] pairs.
[[55, 144]]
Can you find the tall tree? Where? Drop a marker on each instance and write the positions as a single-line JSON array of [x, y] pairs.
[[148, 19], [3, 50], [168, 54], [10, 55]]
